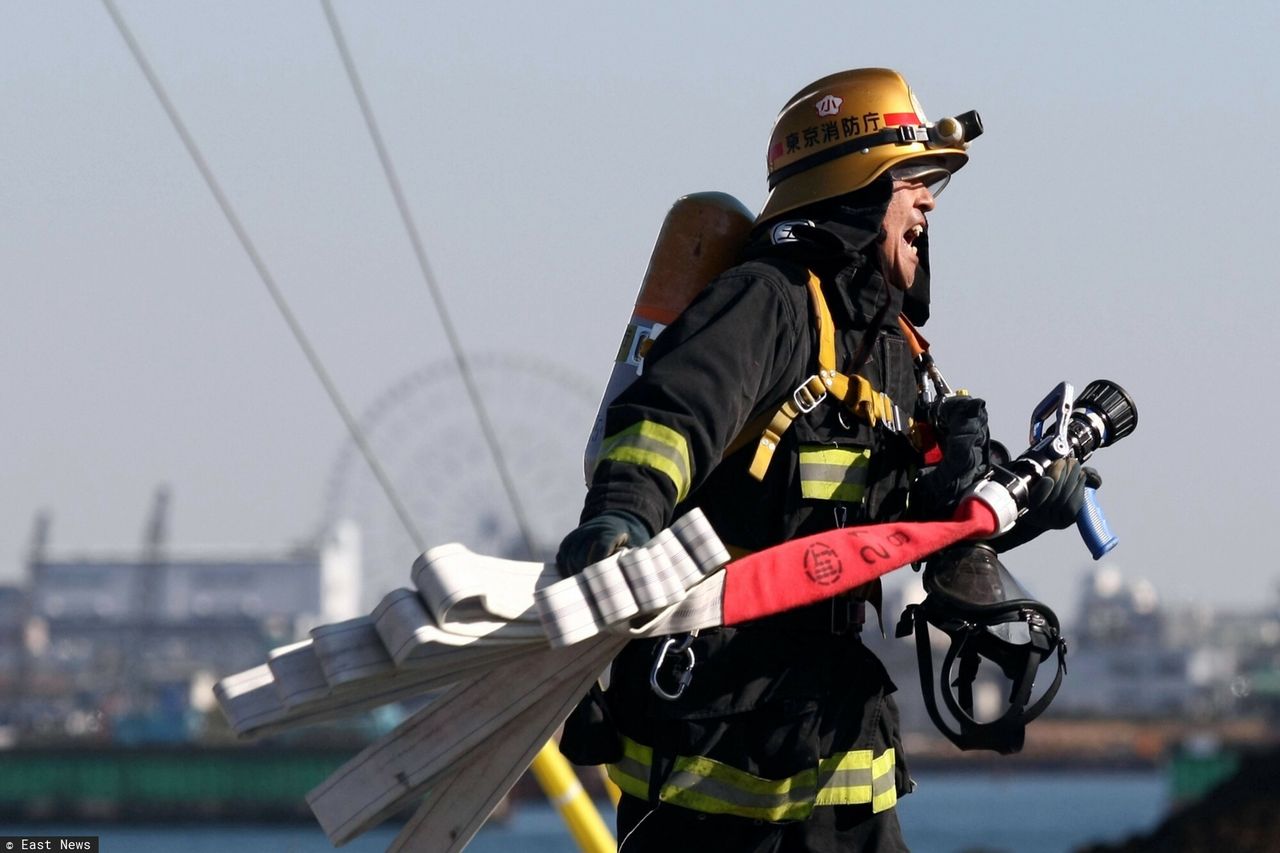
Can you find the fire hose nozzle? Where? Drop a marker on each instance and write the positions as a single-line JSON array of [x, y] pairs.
[[1109, 409], [1060, 426]]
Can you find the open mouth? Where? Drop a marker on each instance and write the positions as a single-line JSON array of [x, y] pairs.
[[913, 233]]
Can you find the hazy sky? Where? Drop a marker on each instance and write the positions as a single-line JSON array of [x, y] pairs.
[[1113, 222]]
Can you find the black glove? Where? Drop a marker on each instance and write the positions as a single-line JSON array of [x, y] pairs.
[[961, 423], [1053, 502], [1055, 498], [597, 538]]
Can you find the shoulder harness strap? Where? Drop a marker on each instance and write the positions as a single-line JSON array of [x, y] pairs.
[[856, 392]]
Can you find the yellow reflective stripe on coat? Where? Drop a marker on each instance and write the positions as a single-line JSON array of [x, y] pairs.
[[631, 773], [833, 473], [857, 777], [709, 786], [654, 446]]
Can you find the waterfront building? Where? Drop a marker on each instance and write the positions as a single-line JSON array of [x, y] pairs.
[[126, 647], [13, 610]]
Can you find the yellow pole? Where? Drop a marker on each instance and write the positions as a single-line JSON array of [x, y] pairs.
[[565, 792]]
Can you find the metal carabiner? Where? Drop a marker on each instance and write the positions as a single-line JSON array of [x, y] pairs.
[[683, 670]]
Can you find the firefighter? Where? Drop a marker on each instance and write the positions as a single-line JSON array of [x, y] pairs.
[[786, 736]]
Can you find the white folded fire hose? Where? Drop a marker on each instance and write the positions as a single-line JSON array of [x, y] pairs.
[[490, 634], [512, 647]]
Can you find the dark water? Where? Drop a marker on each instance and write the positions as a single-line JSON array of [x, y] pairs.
[[1042, 813], [948, 813]]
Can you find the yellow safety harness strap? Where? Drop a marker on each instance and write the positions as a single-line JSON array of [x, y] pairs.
[[826, 326], [803, 399], [867, 403], [856, 392]]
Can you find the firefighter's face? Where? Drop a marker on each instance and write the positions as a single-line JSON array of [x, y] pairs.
[[904, 221]]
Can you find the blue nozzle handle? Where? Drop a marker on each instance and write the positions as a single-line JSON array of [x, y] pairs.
[[1093, 526]]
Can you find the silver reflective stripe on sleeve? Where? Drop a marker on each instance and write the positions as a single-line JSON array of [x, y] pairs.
[[655, 446]]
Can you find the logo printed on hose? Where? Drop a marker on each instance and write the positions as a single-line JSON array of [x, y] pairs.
[[829, 106], [822, 564]]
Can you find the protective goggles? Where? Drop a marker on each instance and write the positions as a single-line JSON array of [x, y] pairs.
[[928, 172]]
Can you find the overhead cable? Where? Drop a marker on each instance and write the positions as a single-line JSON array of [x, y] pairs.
[[313, 358], [437, 297]]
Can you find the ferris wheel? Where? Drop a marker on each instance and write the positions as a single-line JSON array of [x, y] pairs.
[[426, 436]]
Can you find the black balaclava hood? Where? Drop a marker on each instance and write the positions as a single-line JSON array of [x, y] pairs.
[[848, 228]]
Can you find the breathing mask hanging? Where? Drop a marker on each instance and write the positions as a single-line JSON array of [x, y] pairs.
[[988, 616]]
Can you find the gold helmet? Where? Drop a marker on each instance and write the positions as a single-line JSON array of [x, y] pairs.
[[842, 132]]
